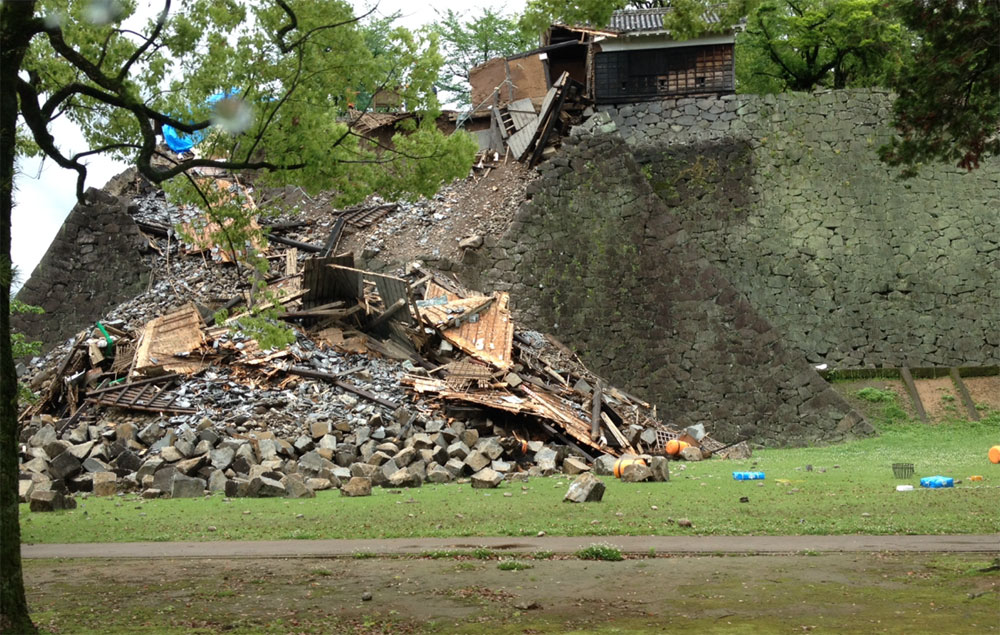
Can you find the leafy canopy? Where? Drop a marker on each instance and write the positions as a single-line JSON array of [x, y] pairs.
[[948, 108], [802, 45], [290, 69], [540, 14], [470, 41]]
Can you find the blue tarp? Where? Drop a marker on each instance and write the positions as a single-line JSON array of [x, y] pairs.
[[183, 141]]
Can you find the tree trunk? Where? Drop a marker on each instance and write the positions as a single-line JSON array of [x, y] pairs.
[[14, 37]]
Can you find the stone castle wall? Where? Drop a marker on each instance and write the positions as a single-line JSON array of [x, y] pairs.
[[93, 264], [598, 259], [855, 267]]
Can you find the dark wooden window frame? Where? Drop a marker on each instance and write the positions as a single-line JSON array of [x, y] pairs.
[[645, 74]]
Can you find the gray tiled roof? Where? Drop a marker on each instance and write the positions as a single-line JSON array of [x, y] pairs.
[[646, 20]]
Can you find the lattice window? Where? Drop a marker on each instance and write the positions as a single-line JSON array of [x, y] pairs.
[[657, 73]]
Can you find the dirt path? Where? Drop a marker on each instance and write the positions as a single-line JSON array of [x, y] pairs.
[[985, 543], [835, 593]]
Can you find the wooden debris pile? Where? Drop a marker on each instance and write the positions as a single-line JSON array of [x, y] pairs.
[[481, 399], [529, 131]]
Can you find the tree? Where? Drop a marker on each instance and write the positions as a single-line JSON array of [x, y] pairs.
[[288, 68], [469, 42], [540, 14], [948, 108], [806, 44]]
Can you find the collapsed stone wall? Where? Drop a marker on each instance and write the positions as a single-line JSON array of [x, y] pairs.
[[598, 259], [855, 267], [93, 264]]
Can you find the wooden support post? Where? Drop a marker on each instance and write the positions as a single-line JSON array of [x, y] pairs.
[[911, 388], [388, 313], [334, 238], [963, 392], [595, 413]]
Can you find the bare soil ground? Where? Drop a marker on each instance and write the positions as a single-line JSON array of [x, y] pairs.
[[843, 593], [940, 397]]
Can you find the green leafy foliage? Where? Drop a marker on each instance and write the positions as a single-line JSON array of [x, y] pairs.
[[470, 40], [291, 81], [539, 14], [948, 108], [22, 347], [802, 45]]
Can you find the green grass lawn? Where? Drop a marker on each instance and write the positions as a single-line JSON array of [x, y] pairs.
[[851, 489]]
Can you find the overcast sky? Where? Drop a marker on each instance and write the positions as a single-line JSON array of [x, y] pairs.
[[45, 193]]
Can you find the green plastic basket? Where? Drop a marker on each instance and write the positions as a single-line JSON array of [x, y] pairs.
[[902, 470]]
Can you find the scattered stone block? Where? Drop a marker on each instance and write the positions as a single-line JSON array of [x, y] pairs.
[[319, 484], [170, 454], [403, 477], [25, 487], [217, 481], [186, 487], [486, 478], [50, 501], [357, 486], [636, 473], [660, 467], [691, 453], [265, 487], [105, 483], [438, 474], [573, 466], [64, 466], [295, 487], [586, 488], [477, 461]]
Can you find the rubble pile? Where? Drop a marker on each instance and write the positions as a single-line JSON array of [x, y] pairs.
[[391, 381]]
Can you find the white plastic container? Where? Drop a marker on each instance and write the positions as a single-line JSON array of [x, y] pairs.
[[904, 488]]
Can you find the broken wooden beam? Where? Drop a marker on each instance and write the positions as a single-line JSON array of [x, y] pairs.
[[595, 413], [336, 381], [298, 244], [388, 313], [333, 238]]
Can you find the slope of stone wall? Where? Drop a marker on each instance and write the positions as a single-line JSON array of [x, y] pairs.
[[599, 260], [856, 268], [93, 264]]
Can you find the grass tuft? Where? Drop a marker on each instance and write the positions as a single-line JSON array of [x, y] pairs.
[[513, 565], [601, 551]]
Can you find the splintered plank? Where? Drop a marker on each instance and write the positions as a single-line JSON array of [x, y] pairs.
[[489, 336], [522, 113], [520, 142], [537, 403], [362, 217], [452, 311], [566, 418], [146, 396], [326, 284], [393, 291], [166, 337]]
